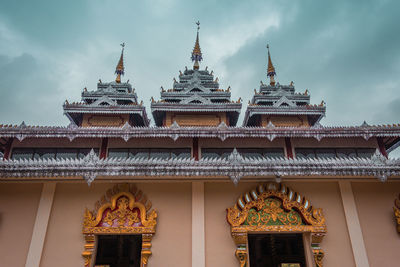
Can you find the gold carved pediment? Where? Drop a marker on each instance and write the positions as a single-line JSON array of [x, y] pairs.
[[122, 210], [275, 208], [396, 210]]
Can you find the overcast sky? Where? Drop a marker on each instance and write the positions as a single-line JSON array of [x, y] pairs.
[[346, 53]]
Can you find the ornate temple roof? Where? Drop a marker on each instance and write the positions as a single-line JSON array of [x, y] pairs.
[[277, 99], [235, 167], [196, 91], [110, 98], [391, 133]]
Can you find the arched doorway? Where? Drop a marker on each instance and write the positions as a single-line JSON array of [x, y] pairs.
[[274, 214], [123, 216]]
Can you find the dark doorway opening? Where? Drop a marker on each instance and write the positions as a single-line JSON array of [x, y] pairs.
[[119, 250], [271, 250]]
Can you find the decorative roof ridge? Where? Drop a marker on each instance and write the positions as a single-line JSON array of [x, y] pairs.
[[92, 106], [196, 104], [235, 166], [233, 128], [234, 157]]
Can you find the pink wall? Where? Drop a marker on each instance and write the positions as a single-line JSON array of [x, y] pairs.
[[18, 207], [220, 247], [374, 202], [64, 241]]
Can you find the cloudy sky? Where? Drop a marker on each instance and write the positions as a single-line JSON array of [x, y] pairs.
[[346, 53]]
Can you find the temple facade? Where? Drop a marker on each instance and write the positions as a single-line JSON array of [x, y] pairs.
[[197, 187]]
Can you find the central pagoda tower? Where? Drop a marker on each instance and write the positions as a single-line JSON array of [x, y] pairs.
[[196, 99]]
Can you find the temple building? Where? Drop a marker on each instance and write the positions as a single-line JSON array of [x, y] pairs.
[[194, 189]]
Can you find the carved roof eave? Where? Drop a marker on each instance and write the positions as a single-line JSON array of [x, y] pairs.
[[318, 132], [120, 109], [297, 97], [215, 94], [111, 95], [116, 110], [234, 167], [298, 110], [214, 107]]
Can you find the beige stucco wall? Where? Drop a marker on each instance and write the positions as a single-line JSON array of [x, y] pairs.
[[219, 244], [64, 241], [374, 202], [172, 242], [336, 244], [18, 207], [220, 247]]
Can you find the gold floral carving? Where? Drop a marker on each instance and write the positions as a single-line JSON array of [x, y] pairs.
[[318, 256], [123, 210], [396, 209], [241, 255], [274, 208]]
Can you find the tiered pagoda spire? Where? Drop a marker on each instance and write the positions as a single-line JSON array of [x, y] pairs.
[[196, 99], [280, 105], [196, 53], [112, 104], [120, 70], [271, 69]]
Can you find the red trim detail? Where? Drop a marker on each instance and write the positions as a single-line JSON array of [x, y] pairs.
[[288, 144], [7, 149], [196, 148], [103, 149], [382, 148]]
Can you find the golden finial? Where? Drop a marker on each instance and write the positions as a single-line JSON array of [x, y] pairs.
[[180, 73], [212, 72], [322, 103], [99, 80], [239, 100], [255, 91], [306, 92], [120, 70], [271, 69], [261, 83], [216, 80], [291, 83], [152, 100], [206, 68], [229, 89], [196, 54], [174, 80], [85, 89], [162, 89], [141, 103]]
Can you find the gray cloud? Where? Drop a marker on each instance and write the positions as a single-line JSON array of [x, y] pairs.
[[345, 53]]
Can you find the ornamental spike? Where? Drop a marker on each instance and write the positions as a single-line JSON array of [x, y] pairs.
[[196, 53], [271, 69], [120, 70]]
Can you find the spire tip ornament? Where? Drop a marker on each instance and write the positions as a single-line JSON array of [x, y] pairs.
[[120, 70], [196, 53], [271, 69]]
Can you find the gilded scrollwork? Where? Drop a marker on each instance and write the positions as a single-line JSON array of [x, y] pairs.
[[241, 255], [123, 210], [274, 208], [396, 210], [318, 256]]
